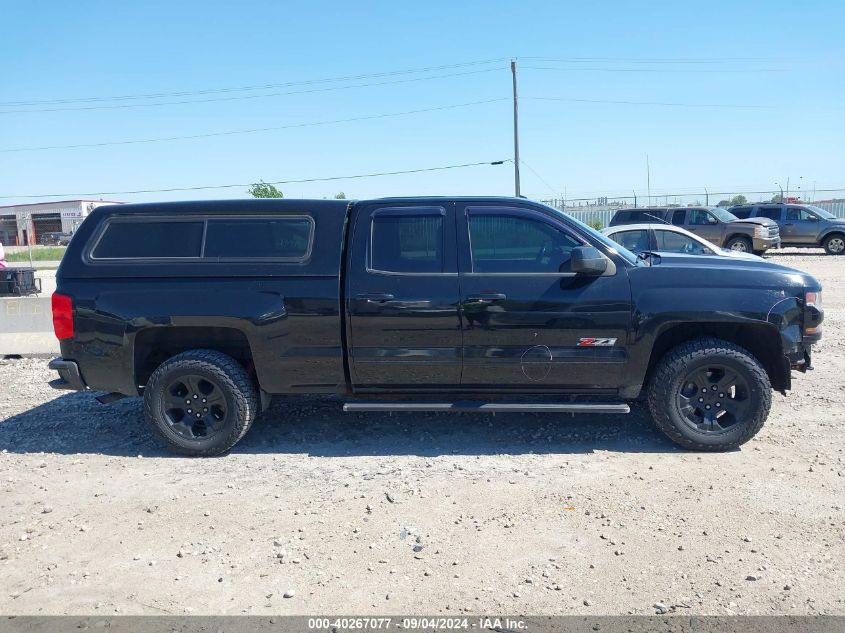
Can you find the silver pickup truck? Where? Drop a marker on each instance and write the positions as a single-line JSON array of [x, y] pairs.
[[803, 225]]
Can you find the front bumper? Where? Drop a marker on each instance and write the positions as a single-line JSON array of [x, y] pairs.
[[765, 243], [69, 376]]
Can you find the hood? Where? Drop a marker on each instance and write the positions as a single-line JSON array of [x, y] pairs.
[[728, 271], [761, 221]]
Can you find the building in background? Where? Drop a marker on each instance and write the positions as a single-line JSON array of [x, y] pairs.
[[24, 223]]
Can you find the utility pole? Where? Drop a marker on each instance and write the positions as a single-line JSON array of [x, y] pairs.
[[648, 178], [515, 131], [706, 197]]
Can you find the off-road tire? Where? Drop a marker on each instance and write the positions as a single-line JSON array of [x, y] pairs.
[[826, 243], [239, 391], [672, 369], [749, 247]]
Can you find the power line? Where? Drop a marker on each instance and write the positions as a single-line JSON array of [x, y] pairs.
[[659, 70], [657, 60], [275, 182], [288, 84], [251, 131], [655, 103], [184, 93], [244, 97]]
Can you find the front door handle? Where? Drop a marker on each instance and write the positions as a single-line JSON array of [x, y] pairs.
[[375, 297], [486, 297]]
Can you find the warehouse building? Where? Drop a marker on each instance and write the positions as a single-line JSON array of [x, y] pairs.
[[22, 224]]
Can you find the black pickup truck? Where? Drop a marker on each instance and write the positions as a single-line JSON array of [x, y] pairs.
[[207, 309]]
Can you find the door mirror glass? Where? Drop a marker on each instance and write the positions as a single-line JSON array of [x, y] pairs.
[[587, 260]]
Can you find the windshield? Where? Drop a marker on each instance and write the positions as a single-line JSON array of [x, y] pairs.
[[724, 215], [623, 252], [822, 213]]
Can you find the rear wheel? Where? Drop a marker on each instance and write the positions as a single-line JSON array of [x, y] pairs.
[[834, 244], [709, 395], [200, 403], [740, 244]]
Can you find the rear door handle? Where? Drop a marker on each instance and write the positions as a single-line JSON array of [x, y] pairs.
[[375, 297], [485, 297]]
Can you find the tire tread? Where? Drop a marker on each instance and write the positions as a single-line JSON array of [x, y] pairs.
[[675, 360], [231, 376]]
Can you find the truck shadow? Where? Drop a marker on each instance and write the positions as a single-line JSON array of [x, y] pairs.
[[77, 423]]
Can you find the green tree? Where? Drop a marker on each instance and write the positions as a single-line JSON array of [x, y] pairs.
[[777, 197], [723, 203], [262, 189], [740, 199], [340, 196]]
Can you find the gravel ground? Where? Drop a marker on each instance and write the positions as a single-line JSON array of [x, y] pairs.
[[322, 512]]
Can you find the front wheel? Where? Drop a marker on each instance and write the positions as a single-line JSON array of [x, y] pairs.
[[709, 395], [834, 244], [739, 244], [200, 402]]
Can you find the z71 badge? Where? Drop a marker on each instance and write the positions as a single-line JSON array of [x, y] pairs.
[[596, 342]]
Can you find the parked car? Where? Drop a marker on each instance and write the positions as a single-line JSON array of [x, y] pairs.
[[802, 225], [54, 238], [666, 239], [714, 224], [209, 309]]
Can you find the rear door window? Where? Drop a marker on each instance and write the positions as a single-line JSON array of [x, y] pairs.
[[678, 217], [773, 213], [149, 240], [407, 241]]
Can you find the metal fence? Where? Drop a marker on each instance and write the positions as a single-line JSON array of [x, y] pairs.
[[600, 211]]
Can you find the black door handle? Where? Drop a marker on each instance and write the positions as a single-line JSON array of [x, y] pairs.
[[485, 297], [375, 297]]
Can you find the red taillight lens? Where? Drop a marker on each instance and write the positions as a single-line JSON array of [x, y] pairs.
[[62, 316]]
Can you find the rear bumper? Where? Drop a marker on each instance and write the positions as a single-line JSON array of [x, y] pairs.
[[69, 377], [765, 243]]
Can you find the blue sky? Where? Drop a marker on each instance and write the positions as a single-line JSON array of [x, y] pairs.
[[785, 59]]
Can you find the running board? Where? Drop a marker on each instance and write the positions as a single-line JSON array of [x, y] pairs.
[[491, 407]]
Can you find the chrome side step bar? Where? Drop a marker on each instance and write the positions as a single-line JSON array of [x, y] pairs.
[[489, 407]]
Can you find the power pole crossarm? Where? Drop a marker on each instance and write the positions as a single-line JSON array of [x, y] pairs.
[[515, 131]]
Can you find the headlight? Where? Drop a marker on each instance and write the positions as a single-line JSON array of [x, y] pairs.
[[813, 299], [761, 231]]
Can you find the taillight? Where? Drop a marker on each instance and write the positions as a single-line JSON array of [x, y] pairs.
[[62, 316]]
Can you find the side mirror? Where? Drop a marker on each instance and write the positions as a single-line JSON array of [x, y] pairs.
[[587, 260], [712, 220]]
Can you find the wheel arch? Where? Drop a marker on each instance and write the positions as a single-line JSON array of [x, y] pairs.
[[762, 340], [152, 346], [743, 236]]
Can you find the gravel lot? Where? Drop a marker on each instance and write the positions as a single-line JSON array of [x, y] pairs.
[[322, 512]]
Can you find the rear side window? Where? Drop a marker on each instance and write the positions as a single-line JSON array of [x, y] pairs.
[[773, 213], [742, 212], [146, 240], [259, 238], [678, 217], [407, 243]]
